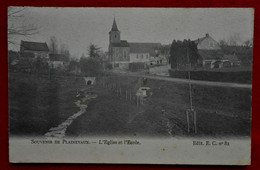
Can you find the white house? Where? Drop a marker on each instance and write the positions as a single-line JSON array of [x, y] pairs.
[[58, 61]]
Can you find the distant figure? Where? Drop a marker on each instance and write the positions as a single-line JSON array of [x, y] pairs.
[[144, 81]]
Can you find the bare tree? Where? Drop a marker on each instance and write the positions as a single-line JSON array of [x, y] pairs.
[[235, 39], [248, 43], [64, 49], [223, 43], [53, 45], [18, 26]]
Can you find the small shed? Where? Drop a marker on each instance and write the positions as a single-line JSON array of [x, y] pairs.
[[142, 91]]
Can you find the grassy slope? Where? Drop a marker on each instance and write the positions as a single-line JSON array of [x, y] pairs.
[[221, 111], [36, 103]]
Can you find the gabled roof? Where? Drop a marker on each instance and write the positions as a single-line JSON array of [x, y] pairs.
[[123, 43], [58, 57], [210, 54], [197, 41], [114, 26], [34, 46], [144, 48]]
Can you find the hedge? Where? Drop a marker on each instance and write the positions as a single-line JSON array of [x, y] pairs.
[[218, 76]]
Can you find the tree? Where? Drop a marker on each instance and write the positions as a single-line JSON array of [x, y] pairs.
[[18, 26], [53, 45], [72, 65], [93, 51], [64, 49], [183, 53], [223, 43], [234, 39], [248, 43], [90, 66]]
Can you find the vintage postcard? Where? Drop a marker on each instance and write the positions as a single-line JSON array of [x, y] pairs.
[[130, 85]]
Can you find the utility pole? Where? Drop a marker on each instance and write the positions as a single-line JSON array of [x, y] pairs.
[[190, 111]]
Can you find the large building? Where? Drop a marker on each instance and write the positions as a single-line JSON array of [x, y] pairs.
[[121, 52]]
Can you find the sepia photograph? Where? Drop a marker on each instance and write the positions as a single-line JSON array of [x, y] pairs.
[[130, 85]]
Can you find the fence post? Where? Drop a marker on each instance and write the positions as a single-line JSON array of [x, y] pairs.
[[188, 121], [195, 121]]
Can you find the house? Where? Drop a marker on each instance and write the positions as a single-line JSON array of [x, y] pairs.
[[207, 43], [209, 58], [34, 49], [143, 52], [210, 52], [232, 59], [58, 60], [121, 52]]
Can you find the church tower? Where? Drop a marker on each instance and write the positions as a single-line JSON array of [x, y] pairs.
[[114, 34]]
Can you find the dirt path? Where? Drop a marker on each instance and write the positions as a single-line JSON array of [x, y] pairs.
[[82, 103], [195, 82]]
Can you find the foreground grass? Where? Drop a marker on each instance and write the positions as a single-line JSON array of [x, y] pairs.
[[37, 103], [220, 111]]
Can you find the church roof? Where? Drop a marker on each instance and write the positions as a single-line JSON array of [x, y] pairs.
[[114, 26], [144, 48], [122, 43]]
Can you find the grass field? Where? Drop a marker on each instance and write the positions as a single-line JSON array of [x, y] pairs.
[[220, 111], [37, 103]]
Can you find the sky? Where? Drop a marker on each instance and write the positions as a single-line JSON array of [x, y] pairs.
[[78, 27]]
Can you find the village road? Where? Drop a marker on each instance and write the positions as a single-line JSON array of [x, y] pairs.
[[196, 82]]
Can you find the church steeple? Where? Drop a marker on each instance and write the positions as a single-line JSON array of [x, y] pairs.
[[114, 34], [114, 26]]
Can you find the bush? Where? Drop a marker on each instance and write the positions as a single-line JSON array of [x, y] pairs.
[[109, 66], [91, 66]]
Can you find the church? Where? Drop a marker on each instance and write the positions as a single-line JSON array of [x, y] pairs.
[[121, 52]]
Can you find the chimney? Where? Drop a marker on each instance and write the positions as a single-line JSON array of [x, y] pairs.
[[207, 35]]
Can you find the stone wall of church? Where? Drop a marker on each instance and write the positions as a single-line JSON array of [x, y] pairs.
[[119, 54]]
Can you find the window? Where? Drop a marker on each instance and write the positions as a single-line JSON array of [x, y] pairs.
[[141, 56], [136, 55], [211, 44], [147, 56]]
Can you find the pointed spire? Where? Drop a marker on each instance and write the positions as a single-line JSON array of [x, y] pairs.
[[114, 27]]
